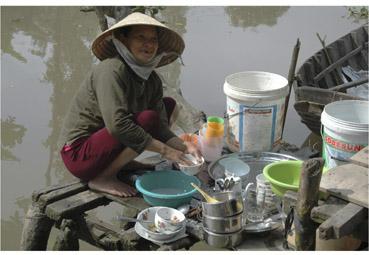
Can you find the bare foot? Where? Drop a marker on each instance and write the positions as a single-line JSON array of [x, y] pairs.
[[112, 186]]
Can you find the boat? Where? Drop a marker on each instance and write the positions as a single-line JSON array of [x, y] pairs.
[[338, 71]]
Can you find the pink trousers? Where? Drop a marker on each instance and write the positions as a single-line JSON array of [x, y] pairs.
[[87, 156]]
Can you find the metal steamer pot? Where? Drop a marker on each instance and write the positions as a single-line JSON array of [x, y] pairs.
[[230, 204], [223, 225], [223, 240]]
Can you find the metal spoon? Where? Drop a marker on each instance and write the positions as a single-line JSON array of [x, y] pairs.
[[207, 197], [220, 184], [231, 183], [226, 184]]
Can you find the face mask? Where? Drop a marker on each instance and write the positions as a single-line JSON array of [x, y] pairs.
[[142, 70]]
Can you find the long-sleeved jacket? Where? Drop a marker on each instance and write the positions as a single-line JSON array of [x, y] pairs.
[[109, 97]]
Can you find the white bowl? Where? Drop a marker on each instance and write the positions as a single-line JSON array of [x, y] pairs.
[[169, 219], [149, 229], [194, 168]]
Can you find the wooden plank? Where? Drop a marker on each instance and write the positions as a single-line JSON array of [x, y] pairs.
[[38, 193], [322, 213], [61, 193], [348, 182], [362, 156], [75, 205], [137, 203], [343, 222], [104, 235]]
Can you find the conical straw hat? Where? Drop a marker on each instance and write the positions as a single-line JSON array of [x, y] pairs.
[[169, 41]]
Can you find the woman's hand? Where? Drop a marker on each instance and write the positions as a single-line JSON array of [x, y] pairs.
[[176, 156], [192, 149]]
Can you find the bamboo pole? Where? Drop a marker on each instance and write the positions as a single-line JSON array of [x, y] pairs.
[[307, 198], [349, 84], [335, 74], [340, 61], [291, 78]]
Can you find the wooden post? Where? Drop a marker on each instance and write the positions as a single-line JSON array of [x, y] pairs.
[[291, 78], [307, 198], [36, 229], [67, 240]]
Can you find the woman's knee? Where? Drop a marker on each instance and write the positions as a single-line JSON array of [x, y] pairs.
[[148, 120]]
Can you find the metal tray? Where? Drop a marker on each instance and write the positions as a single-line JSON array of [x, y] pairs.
[[261, 227], [256, 160]]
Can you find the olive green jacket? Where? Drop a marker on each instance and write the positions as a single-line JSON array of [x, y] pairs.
[[109, 97]]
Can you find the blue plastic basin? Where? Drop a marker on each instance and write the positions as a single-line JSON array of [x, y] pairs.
[[166, 188]]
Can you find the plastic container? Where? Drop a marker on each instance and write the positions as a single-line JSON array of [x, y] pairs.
[[255, 109], [210, 147], [166, 188], [214, 129], [344, 130], [215, 119], [283, 176]]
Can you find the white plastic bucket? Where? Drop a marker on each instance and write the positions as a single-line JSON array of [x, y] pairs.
[[344, 130], [255, 109]]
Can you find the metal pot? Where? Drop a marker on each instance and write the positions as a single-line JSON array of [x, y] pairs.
[[222, 225], [223, 240], [230, 204]]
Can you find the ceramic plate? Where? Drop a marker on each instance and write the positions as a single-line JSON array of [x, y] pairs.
[[144, 234], [149, 231]]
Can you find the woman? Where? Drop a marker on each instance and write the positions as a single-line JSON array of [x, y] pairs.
[[119, 110]]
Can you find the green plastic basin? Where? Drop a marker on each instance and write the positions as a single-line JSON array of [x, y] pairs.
[[283, 175], [166, 188]]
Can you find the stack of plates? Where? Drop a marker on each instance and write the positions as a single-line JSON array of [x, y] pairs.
[[148, 230]]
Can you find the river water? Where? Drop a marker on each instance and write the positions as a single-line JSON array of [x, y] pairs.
[[45, 56]]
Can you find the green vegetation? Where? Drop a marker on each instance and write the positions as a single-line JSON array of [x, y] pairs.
[[150, 10], [358, 13]]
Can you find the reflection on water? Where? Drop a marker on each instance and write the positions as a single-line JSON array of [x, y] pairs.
[[11, 134], [251, 16], [45, 55]]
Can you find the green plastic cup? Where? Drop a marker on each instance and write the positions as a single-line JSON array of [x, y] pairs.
[[215, 119]]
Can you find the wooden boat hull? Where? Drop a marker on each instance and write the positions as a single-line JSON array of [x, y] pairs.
[[317, 76]]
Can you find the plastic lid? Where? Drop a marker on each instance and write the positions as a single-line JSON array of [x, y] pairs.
[[255, 84]]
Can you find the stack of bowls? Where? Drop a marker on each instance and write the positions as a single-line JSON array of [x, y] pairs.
[[264, 191], [222, 221]]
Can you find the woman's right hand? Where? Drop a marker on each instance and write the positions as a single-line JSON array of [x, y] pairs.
[[176, 156], [168, 152]]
